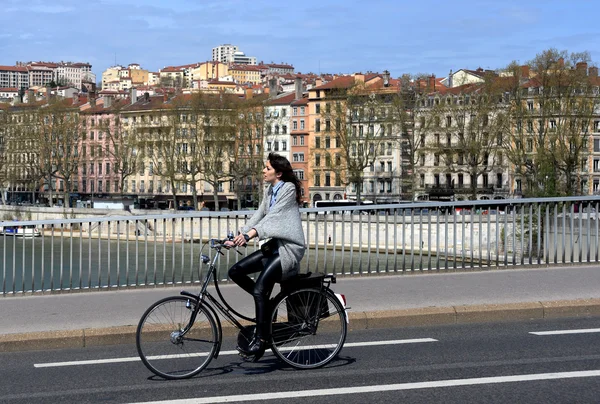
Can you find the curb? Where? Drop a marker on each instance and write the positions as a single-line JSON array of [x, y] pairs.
[[358, 321]]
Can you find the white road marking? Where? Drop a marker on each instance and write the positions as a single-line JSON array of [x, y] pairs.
[[385, 387], [562, 332], [222, 353]]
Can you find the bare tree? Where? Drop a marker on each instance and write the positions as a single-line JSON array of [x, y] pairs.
[[219, 142], [552, 107], [67, 131], [411, 113], [161, 145], [56, 131], [351, 135], [122, 147], [465, 138], [246, 160]]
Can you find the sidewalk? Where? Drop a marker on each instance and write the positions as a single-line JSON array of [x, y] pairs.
[[109, 317]]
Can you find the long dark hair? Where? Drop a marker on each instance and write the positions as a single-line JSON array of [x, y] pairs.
[[282, 165]]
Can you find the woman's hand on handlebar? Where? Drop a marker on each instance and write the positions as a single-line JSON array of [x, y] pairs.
[[238, 240]]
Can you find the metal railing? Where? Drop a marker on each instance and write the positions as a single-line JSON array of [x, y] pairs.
[[162, 249]]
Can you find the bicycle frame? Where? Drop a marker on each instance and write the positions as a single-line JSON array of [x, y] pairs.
[[214, 305], [220, 305]]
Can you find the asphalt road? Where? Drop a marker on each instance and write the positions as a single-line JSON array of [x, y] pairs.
[[474, 363]]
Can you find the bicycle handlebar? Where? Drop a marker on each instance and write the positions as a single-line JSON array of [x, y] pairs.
[[217, 244]]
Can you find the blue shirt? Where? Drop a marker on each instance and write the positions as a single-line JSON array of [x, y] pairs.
[[276, 189]]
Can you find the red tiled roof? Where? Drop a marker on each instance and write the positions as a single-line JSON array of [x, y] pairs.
[[13, 68], [279, 66], [221, 82], [9, 89], [246, 68], [284, 100], [301, 101]]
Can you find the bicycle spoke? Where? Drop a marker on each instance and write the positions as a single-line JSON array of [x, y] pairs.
[[298, 339], [169, 344]]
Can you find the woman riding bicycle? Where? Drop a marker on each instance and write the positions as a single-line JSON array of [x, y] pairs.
[[277, 219]]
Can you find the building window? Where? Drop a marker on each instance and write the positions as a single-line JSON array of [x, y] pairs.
[[295, 111], [301, 110], [298, 157], [317, 142], [302, 124], [318, 180], [295, 125], [299, 174], [317, 160], [301, 140], [327, 179], [294, 140], [284, 146]]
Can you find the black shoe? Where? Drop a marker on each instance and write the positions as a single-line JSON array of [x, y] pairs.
[[256, 348]]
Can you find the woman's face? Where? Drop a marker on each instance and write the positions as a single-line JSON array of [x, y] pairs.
[[269, 173]]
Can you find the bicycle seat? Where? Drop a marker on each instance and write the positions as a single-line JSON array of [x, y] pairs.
[[307, 280]]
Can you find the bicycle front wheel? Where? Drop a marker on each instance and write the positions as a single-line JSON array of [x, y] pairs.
[[308, 328], [170, 344]]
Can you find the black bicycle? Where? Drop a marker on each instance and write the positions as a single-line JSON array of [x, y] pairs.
[[178, 336]]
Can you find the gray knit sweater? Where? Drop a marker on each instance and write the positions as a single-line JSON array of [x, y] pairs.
[[281, 222]]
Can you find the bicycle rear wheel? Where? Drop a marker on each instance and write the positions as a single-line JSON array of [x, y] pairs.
[[169, 344], [308, 328]]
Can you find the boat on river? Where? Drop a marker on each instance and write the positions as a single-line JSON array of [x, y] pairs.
[[29, 230]]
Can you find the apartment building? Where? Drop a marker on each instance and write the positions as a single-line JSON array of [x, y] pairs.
[[68, 73], [246, 74], [224, 53], [354, 140], [231, 54], [277, 124], [14, 77], [300, 143]]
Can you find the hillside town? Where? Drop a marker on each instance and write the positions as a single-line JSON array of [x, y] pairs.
[[197, 135]]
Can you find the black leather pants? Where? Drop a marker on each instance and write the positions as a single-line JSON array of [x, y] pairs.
[[270, 273]]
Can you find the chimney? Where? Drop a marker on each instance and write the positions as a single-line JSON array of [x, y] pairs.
[[582, 66], [92, 98], [593, 71], [432, 82], [386, 78], [107, 101], [450, 79], [318, 82], [298, 87], [146, 96], [359, 78], [30, 96], [525, 71], [133, 95], [272, 88]]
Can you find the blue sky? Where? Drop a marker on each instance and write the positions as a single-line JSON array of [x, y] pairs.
[[332, 36]]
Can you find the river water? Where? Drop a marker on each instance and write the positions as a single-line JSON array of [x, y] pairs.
[[46, 263]]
